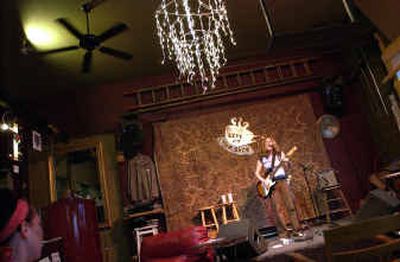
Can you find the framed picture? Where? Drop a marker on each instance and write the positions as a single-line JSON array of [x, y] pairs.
[[36, 141]]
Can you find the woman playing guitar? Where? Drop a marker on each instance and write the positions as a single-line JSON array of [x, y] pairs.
[[271, 168]]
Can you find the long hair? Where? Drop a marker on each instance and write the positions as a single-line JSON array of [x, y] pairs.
[[276, 149]]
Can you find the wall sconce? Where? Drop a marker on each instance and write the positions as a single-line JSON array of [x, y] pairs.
[[9, 124], [4, 126]]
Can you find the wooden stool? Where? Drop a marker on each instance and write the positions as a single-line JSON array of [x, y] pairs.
[[205, 212], [335, 195], [233, 209], [140, 232]]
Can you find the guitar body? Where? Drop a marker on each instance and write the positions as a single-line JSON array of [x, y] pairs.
[[264, 190]]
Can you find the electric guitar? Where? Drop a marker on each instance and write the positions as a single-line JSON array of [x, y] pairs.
[[264, 189]]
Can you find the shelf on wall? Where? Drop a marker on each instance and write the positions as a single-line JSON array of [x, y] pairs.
[[154, 98], [145, 213]]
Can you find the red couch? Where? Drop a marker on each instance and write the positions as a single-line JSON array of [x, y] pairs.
[[177, 246]]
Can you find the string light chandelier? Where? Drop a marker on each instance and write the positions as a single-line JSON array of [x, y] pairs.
[[192, 33]]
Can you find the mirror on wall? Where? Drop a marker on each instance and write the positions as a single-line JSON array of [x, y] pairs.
[[77, 169]]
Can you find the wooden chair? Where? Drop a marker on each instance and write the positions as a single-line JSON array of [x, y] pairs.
[[334, 200], [334, 195], [346, 237], [340, 242], [141, 232], [205, 212]]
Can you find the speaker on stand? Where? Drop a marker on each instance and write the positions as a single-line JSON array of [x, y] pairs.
[[333, 97], [131, 139]]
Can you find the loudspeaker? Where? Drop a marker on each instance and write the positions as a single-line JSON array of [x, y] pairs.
[[332, 95], [378, 203], [245, 241], [131, 140]]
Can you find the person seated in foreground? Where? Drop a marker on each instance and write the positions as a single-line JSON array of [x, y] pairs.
[[387, 178], [385, 197], [21, 232]]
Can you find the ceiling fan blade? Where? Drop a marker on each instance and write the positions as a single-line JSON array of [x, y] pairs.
[[115, 53], [113, 31], [72, 29], [87, 62], [58, 50]]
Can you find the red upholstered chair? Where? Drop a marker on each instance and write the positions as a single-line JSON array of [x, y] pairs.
[[177, 246]]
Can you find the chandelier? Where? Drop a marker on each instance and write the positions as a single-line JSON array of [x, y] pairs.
[[191, 33]]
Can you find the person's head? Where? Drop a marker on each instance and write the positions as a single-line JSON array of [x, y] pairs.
[[270, 145], [20, 227]]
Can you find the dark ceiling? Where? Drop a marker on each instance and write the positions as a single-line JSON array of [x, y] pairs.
[[27, 76]]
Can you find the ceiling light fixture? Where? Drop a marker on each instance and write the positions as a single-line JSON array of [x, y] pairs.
[[192, 34], [39, 36]]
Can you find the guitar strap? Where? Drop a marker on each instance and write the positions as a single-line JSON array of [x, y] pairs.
[[270, 169], [273, 161]]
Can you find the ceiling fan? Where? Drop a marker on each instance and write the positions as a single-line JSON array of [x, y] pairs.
[[90, 41]]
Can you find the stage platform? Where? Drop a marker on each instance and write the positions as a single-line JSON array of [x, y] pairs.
[[311, 245]]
